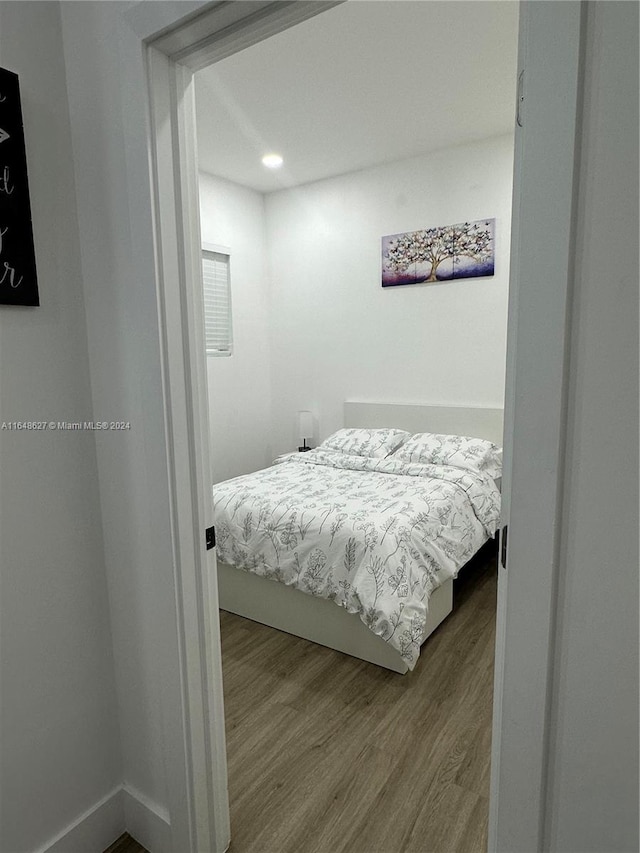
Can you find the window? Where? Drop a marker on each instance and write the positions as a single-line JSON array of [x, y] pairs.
[[217, 301]]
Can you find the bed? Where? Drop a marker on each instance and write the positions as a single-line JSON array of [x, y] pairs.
[[311, 520]]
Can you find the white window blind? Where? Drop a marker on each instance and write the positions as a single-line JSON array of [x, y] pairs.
[[217, 302]]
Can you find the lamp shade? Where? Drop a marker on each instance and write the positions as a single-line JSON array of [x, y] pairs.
[[305, 425]]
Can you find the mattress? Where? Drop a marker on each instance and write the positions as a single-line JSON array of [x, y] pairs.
[[375, 536]]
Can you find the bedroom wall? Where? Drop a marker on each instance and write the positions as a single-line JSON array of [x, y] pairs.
[[337, 334], [60, 744], [239, 385]]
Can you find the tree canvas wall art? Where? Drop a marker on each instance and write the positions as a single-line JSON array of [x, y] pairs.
[[465, 250]]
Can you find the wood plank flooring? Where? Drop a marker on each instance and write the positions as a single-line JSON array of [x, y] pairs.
[[329, 754]]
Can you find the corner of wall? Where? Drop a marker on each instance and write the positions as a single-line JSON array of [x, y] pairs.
[[96, 829], [145, 821]]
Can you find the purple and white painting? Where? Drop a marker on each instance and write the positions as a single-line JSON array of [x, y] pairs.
[[448, 252]]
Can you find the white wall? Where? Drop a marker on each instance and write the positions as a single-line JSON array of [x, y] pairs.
[[337, 334], [240, 385], [105, 75], [594, 747], [60, 747]]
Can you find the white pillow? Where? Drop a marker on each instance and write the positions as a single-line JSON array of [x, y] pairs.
[[374, 443], [459, 451]]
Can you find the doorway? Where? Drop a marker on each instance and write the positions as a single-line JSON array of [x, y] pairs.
[[172, 101], [310, 326]]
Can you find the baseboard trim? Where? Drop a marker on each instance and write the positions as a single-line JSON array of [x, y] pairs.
[[94, 830], [122, 810], [146, 821]]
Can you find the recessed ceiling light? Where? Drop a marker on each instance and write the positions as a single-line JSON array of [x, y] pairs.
[[272, 161]]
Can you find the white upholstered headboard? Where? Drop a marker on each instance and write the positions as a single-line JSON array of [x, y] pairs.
[[415, 417]]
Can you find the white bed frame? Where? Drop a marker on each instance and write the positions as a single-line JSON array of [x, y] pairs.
[[322, 621]]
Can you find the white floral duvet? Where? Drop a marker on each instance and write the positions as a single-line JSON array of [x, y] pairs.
[[376, 536]]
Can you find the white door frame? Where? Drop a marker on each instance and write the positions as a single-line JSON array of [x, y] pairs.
[[184, 381], [535, 406], [546, 149]]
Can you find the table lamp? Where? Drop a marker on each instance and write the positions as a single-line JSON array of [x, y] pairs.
[[305, 429]]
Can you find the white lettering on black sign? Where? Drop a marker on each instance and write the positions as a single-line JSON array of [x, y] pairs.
[[18, 280]]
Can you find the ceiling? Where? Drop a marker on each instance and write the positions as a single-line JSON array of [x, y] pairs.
[[367, 82]]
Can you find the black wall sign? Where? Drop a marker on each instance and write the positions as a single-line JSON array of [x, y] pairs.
[[18, 282]]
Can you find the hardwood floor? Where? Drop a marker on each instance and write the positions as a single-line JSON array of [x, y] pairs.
[[329, 754]]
